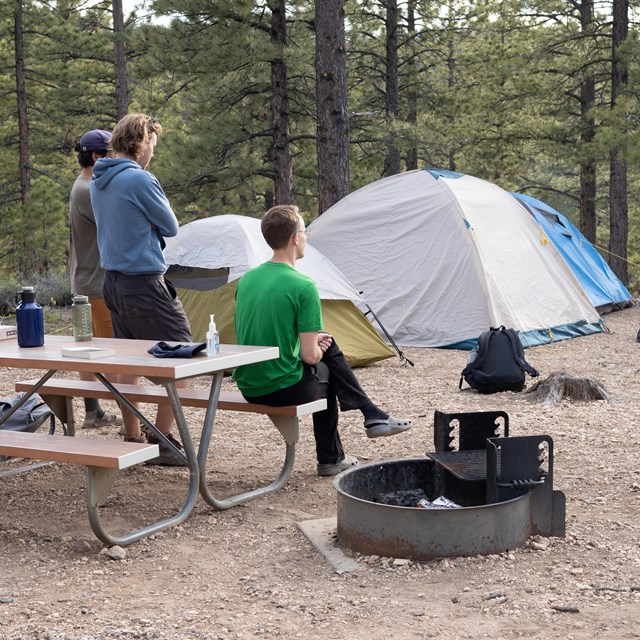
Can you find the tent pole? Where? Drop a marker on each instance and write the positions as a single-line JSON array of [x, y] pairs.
[[401, 355]]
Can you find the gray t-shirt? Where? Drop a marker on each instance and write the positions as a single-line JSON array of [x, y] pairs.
[[84, 257]]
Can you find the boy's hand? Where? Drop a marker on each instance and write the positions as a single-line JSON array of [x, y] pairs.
[[324, 341]]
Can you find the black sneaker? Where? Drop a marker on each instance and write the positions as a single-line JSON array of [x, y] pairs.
[[167, 457]]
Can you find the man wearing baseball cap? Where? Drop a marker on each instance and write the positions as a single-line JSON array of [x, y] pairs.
[[84, 258]]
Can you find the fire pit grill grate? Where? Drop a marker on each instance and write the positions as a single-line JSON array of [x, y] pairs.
[[466, 465]]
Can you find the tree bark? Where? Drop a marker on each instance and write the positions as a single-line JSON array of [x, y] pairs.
[[280, 106], [451, 81], [412, 93], [21, 96], [588, 132], [331, 104], [392, 159], [619, 225], [120, 61]]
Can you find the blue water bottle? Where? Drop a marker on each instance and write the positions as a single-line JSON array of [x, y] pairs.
[[29, 319]]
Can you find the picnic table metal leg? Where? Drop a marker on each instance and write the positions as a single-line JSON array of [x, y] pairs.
[[286, 425], [100, 481], [174, 401]]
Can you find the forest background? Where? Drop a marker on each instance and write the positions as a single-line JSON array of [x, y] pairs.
[[274, 101]]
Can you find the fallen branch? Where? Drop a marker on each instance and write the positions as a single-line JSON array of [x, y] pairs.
[[562, 609]]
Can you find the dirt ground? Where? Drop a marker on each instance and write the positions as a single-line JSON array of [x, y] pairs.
[[250, 573]]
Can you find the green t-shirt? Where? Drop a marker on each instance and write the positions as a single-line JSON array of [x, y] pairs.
[[274, 303]]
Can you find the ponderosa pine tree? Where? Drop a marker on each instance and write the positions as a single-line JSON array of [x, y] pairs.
[[588, 166], [331, 102], [120, 60], [235, 95], [619, 221], [47, 75]]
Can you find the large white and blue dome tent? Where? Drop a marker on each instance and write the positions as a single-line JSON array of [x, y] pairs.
[[441, 257], [604, 288]]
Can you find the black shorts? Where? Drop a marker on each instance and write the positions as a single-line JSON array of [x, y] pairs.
[[145, 307]]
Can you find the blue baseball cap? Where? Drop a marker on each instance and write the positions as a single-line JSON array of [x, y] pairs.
[[95, 140]]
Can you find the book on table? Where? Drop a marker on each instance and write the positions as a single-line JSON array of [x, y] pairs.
[[7, 331], [88, 353]]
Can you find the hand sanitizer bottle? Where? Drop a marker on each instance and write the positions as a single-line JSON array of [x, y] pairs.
[[213, 338]]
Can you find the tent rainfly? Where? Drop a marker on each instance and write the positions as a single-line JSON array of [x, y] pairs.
[[208, 256], [604, 288], [443, 256]]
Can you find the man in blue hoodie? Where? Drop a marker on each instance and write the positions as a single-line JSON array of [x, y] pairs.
[[132, 216]]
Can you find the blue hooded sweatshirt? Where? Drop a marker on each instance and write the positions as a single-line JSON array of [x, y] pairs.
[[132, 215]]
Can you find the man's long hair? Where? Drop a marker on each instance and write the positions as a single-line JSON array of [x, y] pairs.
[[132, 133]]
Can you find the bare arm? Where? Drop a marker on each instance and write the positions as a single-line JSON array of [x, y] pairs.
[[313, 344]]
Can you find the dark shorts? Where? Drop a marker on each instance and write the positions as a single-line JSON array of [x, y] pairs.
[[145, 307]]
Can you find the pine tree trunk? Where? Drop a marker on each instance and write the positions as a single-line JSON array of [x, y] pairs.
[[280, 106], [26, 257], [618, 165], [21, 93], [392, 159], [451, 68], [120, 61], [587, 166], [412, 94], [331, 104]]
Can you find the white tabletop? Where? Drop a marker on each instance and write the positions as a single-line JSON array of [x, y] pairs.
[[131, 358]]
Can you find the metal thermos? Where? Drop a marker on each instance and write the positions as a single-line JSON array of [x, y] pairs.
[[81, 319], [29, 319]]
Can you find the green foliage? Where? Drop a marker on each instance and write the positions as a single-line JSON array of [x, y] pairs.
[[495, 85], [35, 238], [69, 84], [209, 78], [8, 289]]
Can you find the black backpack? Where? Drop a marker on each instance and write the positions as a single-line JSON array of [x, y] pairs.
[[497, 363]]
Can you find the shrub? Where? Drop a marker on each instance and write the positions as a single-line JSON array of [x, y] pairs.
[[52, 290], [8, 289]]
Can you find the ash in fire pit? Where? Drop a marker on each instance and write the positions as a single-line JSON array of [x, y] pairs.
[[415, 498], [408, 498]]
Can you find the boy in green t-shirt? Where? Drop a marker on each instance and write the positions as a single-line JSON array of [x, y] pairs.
[[278, 306]]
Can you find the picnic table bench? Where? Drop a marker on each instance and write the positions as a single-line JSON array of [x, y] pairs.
[[102, 458]]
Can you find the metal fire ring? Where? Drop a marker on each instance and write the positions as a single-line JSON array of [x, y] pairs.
[[371, 528]]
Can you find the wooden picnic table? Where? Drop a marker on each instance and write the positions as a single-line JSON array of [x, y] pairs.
[[131, 358]]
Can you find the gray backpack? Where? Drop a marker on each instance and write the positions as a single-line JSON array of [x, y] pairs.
[[29, 417]]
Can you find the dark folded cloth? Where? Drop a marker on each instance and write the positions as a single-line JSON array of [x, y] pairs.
[[164, 350]]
